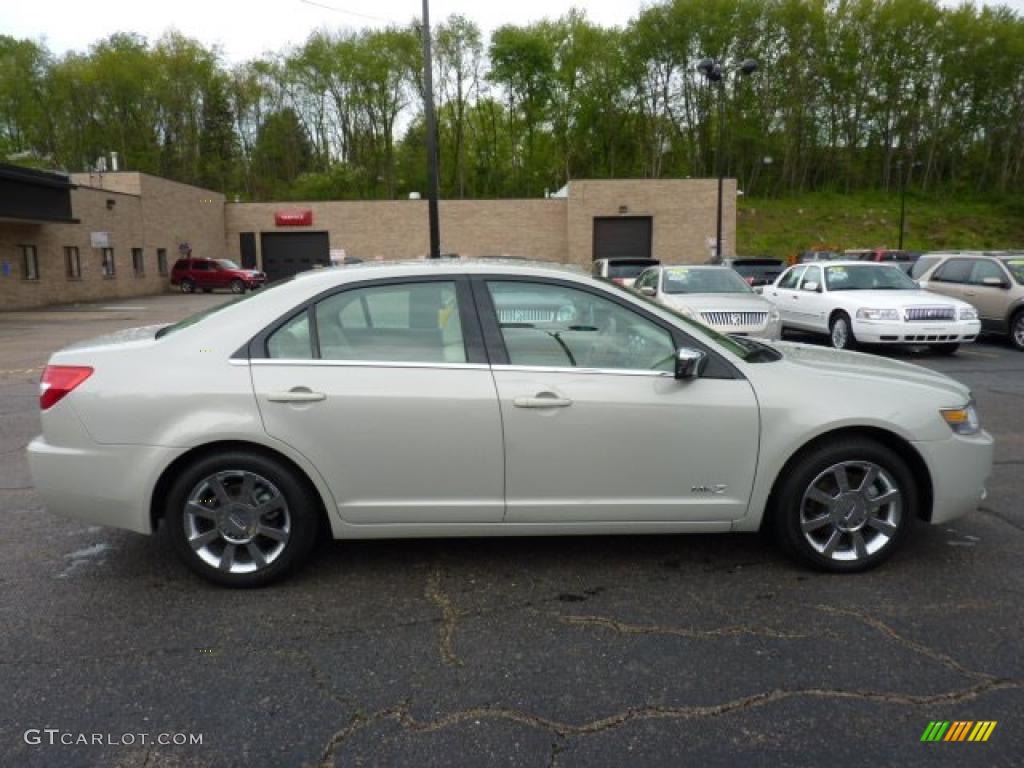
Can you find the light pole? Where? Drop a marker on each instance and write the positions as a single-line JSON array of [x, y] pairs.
[[431, 121], [903, 196], [714, 73]]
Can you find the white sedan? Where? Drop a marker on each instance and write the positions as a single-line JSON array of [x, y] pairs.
[[716, 296], [857, 302], [490, 399]]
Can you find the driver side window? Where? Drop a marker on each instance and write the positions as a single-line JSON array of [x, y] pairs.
[[557, 326]]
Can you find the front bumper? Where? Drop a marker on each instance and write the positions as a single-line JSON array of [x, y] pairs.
[[899, 332], [772, 331], [959, 468]]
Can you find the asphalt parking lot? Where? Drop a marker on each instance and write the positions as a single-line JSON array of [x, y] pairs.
[[700, 650]]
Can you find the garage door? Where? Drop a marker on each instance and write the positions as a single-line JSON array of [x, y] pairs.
[[285, 253], [622, 236]]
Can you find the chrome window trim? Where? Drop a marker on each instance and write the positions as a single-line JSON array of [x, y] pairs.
[[571, 369], [320, 363]]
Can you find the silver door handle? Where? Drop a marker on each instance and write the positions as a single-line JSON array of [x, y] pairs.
[[296, 396], [543, 400]]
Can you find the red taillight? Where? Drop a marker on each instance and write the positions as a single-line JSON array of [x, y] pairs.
[[58, 380], [619, 280]]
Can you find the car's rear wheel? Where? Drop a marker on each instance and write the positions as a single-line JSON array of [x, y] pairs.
[[943, 349], [841, 332], [187, 286], [1017, 330], [237, 286], [241, 519], [846, 505]]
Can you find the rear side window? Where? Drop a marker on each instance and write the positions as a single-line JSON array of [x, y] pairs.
[[292, 341], [408, 322], [986, 269], [954, 271], [180, 265]]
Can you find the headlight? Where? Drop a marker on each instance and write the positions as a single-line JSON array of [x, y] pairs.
[[963, 421], [968, 313], [878, 314]]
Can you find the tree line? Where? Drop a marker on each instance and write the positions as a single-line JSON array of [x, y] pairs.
[[849, 95]]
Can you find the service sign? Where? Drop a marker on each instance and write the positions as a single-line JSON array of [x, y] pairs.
[[303, 218], [99, 239]]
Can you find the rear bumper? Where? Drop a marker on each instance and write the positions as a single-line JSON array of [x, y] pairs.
[[98, 484], [959, 469]]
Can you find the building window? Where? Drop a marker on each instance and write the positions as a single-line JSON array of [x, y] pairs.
[[29, 262], [161, 260], [72, 262], [109, 267], [138, 262]]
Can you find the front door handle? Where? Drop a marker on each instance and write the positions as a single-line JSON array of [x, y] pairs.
[[297, 395], [542, 400]]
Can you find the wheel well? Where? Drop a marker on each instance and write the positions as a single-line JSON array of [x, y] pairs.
[[156, 510], [889, 439], [835, 312]]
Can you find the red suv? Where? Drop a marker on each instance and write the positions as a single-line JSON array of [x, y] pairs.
[[207, 274]]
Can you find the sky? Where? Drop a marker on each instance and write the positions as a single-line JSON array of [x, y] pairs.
[[247, 28]]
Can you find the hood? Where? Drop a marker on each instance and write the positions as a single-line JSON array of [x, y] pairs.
[[859, 365], [898, 299], [721, 302], [143, 333]]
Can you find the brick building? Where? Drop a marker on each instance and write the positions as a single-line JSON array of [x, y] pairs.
[[100, 236]]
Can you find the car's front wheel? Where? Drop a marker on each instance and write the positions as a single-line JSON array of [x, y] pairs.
[[187, 286], [237, 286], [241, 519], [1017, 330], [841, 332], [846, 505]]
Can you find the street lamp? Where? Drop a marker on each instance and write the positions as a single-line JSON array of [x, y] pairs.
[[714, 72], [903, 195], [431, 127]]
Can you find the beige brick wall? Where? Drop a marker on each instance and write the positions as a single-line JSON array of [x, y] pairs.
[[165, 214], [683, 212], [398, 229]]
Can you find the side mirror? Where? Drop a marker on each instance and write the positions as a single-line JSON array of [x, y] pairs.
[[810, 286], [995, 282], [690, 363], [648, 291]]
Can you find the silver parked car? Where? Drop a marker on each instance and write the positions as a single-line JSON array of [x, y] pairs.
[[714, 295], [456, 398]]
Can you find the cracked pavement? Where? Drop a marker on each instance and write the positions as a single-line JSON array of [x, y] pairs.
[[706, 650]]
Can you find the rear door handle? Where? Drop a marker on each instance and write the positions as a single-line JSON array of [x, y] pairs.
[[297, 395], [542, 400]]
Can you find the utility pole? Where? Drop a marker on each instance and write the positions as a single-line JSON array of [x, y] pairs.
[[431, 120]]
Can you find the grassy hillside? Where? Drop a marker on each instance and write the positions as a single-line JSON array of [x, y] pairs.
[[783, 226]]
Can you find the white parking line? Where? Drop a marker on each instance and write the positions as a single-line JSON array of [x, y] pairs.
[[122, 306]]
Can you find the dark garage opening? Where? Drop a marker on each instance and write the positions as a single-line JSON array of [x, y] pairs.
[[622, 237], [286, 253]]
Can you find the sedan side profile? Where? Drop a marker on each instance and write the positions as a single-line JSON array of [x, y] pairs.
[[866, 303], [489, 399]]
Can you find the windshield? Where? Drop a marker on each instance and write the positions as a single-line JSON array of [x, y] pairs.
[[686, 280], [867, 278], [628, 269], [1016, 267], [227, 264]]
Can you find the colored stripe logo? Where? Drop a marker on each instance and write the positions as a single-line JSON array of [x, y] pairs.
[[958, 730]]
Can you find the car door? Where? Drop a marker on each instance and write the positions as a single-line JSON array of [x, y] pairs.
[[784, 296], [384, 386], [597, 428], [989, 299], [951, 277], [810, 305]]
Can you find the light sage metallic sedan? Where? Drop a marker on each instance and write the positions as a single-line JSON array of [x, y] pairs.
[[491, 399]]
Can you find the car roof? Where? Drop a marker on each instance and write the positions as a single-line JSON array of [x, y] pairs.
[[693, 266], [384, 269], [848, 263]]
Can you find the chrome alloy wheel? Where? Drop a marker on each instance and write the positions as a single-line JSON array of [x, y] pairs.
[[237, 521], [1018, 330], [840, 334], [851, 510]]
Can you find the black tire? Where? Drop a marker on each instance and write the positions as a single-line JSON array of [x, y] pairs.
[[943, 349], [207, 290], [303, 518], [844, 339], [791, 512], [187, 286], [237, 286], [1017, 330]]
